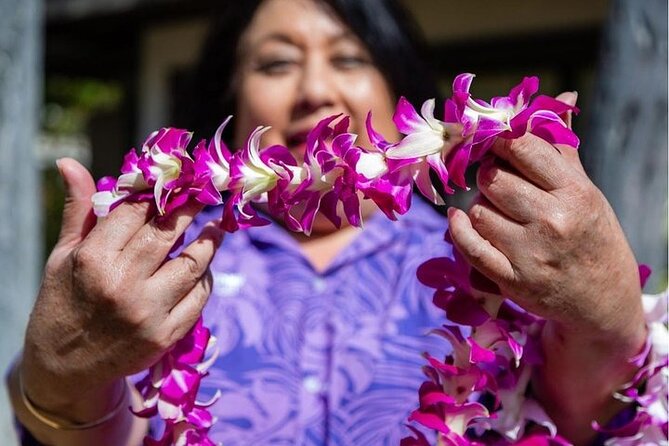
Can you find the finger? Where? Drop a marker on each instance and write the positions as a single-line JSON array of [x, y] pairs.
[[536, 160], [179, 275], [78, 217], [150, 245], [568, 97], [120, 226], [479, 252], [502, 233], [185, 313], [517, 198]]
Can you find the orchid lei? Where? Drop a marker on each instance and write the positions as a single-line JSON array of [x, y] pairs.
[[476, 395]]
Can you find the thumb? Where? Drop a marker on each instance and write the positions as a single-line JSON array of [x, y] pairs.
[[78, 218]]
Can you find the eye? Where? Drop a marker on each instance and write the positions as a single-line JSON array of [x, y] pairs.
[[349, 62], [275, 66]]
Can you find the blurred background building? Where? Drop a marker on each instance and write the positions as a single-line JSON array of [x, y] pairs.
[[91, 78]]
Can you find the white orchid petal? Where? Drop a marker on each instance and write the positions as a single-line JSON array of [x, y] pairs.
[[424, 184], [103, 201], [371, 165], [133, 181], [474, 110], [417, 145], [218, 136]]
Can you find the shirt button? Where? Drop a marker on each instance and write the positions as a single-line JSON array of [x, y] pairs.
[[319, 285], [312, 384]]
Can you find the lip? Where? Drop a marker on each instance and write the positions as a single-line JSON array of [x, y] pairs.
[[297, 139]]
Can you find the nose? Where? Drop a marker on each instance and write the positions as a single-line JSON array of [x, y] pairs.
[[317, 88]]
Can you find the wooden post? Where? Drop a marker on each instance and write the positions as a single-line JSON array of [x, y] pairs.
[[20, 204], [625, 148]]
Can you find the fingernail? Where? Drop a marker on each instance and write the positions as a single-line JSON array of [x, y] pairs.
[[450, 212], [212, 230], [59, 166]]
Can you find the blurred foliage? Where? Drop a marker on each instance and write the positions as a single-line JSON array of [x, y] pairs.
[[69, 104], [53, 197]]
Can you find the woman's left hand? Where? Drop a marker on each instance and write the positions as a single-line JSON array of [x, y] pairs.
[[544, 233]]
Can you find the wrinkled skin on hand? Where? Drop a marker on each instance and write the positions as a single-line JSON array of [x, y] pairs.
[[544, 233], [547, 238], [109, 304]]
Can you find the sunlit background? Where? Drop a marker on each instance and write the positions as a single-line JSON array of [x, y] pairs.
[[90, 78]]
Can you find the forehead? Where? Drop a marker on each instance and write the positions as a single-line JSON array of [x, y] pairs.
[[301, 21]]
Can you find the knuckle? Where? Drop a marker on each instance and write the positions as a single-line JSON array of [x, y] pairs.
[[192, 265], [477, 252], [138, 318], [476, 214], [486, 177], [51, 268], [138, 209], [560, 225], [161, 232], [521, 147], [83, 257], [158, 341]]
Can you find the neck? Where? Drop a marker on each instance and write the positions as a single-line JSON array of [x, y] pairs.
[[326, 241], [321, 248]]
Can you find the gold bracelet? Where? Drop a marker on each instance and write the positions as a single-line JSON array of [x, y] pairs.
[[68, 425]]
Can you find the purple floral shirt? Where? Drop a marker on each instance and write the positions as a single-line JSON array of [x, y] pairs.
[[331, 358]]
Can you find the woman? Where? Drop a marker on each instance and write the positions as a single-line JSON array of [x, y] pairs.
[[317, 331]]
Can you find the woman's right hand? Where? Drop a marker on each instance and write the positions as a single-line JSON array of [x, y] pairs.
[[109, 304]]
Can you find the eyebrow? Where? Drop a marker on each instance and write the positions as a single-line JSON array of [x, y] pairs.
[[285, 38]]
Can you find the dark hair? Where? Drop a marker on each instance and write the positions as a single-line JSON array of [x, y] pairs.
[[385, 27]]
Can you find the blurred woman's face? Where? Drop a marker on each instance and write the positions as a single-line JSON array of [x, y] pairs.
[[298, 63]]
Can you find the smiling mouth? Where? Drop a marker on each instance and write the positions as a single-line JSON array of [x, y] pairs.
[[297, 141]]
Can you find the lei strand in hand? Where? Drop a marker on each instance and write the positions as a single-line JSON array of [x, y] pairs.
[[491, 365]]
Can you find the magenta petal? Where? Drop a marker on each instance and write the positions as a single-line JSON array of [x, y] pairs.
[[179, 383], [458, 163], [130, 161], [436, 397], [547, 125], [644, 273], [375, 137], [463, 309], [432, 273], [437, 164], [406, 119], [487, 128], [105, 184], [543, 102], [200, 418], [429, 420], [479, 354], [463, 82], [209, 195], [352, 211], [418, 440], [520, 95]]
